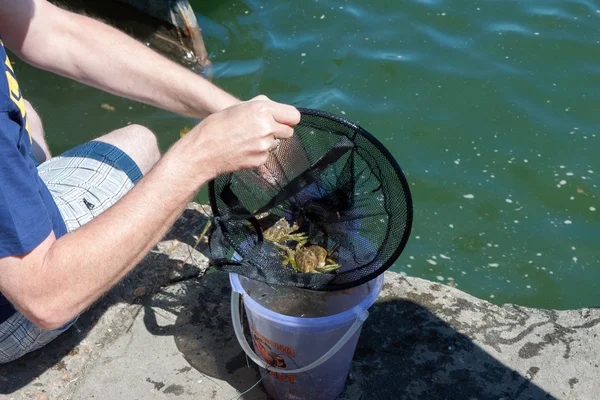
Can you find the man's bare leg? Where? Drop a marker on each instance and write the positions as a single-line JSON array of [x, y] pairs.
[[137, 142]]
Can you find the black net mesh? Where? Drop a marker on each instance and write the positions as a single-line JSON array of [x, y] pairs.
[[340, 186]]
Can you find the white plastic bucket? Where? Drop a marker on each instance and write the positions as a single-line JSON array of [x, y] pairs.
[[306, 358]]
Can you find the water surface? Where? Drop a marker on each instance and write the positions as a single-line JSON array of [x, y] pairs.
[[491, 108]]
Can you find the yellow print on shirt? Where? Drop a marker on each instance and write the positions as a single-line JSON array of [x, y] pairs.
[[15, 94]]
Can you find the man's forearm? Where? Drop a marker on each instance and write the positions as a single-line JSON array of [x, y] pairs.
[[96, 54]]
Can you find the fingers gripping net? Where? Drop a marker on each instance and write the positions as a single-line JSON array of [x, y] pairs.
[[338, 185]]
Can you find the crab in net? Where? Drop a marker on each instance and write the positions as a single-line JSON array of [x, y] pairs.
[[297, 251]]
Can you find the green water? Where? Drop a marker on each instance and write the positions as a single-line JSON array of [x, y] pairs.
[[491, 108]]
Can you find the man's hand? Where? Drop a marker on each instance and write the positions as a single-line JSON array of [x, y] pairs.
[[239, 137], [98, 55]]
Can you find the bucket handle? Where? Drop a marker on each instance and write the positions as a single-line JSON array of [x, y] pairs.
[[237, 327]]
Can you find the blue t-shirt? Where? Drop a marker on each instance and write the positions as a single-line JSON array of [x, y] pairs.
[[27, 211]]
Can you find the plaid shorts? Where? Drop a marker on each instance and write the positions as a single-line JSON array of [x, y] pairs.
[[84, 182]]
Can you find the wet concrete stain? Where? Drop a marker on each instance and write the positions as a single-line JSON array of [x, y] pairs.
[[532, 372], [157, 385], [177, 390], [573, 382]]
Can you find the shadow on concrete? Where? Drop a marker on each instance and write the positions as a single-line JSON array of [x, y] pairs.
[[404, 352], [204, 334]]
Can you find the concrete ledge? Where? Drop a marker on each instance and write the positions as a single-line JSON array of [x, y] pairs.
[[161, 335]]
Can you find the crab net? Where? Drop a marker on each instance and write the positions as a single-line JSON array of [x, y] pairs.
[[334, 187]]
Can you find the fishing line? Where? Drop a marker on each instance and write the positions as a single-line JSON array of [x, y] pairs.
[[252, 387]]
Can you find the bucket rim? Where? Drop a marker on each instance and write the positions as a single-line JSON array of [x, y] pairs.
[[331, 321]]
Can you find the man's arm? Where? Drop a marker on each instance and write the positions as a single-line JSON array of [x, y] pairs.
[[98, 55], [60, 278]]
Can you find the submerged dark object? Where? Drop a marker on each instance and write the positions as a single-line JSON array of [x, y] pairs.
[[342, 187]]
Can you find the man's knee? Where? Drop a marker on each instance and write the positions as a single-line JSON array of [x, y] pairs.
[[138, 142], [144, 137], [147, 141]]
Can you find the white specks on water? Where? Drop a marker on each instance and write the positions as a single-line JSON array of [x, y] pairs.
[[411, 257], [538, 254], [568, 222], [508, 200], [563, 182], [492, 296], [451, 226], [575, 260], [561, 167], [431, 262], [569, 174], [592, 208], [494, 265], [528, 286], [445, 257], [468, 196], [573, 248], [536, 33], [303, 54], [439, 278]]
